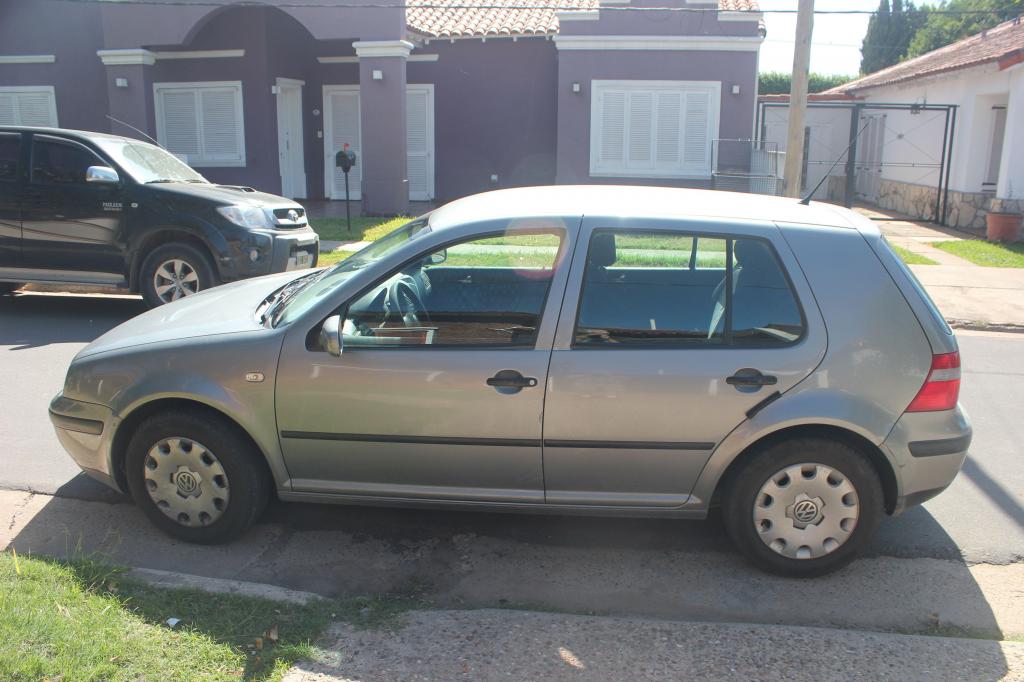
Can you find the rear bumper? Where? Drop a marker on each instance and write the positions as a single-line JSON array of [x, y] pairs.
[[86, 432], [929, 448]]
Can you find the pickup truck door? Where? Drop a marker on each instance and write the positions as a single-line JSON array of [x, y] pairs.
[[11, 166]]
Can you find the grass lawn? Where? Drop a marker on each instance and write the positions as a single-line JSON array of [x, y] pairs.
[[85, 621], [989, 254], [911, 258], [363, 229]]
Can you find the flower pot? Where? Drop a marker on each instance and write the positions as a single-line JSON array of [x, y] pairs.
[[1002, 227]]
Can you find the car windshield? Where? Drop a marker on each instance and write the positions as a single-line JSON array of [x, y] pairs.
[[149, 163], [315, 288]]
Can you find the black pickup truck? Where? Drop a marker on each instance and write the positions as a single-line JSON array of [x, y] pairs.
[[90, 208]]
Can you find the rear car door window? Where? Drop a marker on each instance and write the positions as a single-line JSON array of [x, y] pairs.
[[485, 292], [10, 153], [56, 162], [670, 289]]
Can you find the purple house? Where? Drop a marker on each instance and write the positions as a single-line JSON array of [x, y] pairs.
[[437, 102]]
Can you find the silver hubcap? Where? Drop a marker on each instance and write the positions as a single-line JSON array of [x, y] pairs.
[[186, 481], [806, 511], [175, 279]]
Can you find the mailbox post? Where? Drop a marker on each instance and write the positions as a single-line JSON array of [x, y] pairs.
[[345, 160]]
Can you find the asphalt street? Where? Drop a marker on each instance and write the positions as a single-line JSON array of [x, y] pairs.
[[979, 519]]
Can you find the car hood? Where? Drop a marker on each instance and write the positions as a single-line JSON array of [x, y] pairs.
[[223, 194], [227, 309]]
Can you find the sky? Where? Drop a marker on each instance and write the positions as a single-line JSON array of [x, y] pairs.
[[835, 42]]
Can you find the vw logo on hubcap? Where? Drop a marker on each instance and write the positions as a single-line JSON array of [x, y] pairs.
[[187, 482], [805, 511]]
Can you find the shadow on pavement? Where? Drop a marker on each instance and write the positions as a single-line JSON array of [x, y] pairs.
[[631, 567], [34, 320]]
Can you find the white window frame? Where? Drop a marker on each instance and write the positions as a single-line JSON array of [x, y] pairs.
[[197, 87], [48, 89], [597, 169]]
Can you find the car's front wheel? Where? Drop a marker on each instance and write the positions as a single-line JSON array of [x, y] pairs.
[[174, 271], [196, 476], [803, 507]]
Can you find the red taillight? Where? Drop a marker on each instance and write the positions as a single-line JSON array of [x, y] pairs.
[[942, 386]]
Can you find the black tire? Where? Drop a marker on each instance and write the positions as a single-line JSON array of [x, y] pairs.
[[9, 287], [741, 494], [248, 479], [195, 259]]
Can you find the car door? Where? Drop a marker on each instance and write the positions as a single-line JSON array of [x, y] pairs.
[[71, 227], [439, 388], [670, 333], [10, 200]]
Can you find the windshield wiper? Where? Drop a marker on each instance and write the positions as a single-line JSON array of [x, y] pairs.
[[151, 182], [278, 301]]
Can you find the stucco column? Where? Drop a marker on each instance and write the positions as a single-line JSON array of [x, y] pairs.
[[129, 92], [382, 103], [1011, 165]]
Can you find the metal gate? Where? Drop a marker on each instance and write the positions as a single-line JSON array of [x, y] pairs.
[[878, 146]]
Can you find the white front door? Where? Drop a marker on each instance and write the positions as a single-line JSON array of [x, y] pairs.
[[342, 126], [870, 150], [291, 155]]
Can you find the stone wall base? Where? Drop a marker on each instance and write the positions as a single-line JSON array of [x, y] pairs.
[[966, 210]]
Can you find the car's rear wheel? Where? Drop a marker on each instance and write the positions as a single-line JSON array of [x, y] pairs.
[[174, 271], [803, 507], [196, 476]]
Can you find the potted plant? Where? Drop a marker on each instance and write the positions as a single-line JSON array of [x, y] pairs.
[[1002, 225]]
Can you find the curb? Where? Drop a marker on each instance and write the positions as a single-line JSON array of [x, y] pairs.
[[171, 579]]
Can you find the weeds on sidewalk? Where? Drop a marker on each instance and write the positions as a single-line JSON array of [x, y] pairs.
[[84, 620]]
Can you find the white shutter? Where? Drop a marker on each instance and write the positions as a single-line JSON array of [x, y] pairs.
[[180, 133], [418, 143], [696, 134], [667, 132], [202, 122], [612, 136], [641, 129], [220, 125], [344, 123], [28, 106]]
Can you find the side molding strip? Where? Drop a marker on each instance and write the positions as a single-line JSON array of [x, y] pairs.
[[513, 442]]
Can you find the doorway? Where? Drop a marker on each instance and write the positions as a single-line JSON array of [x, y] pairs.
[[291, 155]]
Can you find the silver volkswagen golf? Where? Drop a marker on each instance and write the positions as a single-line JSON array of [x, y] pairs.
[[608, 350]]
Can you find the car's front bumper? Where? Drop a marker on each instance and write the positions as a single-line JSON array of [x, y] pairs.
[[86, 432], [929, 448]]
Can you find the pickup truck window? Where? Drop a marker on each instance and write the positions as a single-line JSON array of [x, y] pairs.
[[61, 163], [10, 150]]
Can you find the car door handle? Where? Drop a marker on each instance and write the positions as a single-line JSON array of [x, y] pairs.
[[509, 378], [748, 377]]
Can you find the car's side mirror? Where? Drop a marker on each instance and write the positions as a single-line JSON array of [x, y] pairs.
[[438, 257], [102, 174], [330, 335]]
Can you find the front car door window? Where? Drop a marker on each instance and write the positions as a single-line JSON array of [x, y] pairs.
[[61, 163], [483, 293]]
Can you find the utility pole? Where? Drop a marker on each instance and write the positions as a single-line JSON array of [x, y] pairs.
[[798, 98]]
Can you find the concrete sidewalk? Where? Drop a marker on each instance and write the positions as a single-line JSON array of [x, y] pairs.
[[963, 291], [493, 644]]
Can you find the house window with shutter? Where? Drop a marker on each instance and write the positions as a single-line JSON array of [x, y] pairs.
[[201, 122], [33, 105], [653, 129]]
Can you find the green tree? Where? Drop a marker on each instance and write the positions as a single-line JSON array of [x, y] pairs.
[[889, 34], [938, 30], [779, 82]]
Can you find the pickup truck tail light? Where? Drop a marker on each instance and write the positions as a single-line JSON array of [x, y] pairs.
[[942, 386]]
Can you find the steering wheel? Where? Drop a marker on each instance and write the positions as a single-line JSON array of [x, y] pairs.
[[404, 299]]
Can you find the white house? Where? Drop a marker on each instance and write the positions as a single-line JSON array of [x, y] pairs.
[[900, 150]]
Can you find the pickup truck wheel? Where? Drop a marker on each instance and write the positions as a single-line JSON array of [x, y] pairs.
[[196, 477], [803, 507], [174, 271]]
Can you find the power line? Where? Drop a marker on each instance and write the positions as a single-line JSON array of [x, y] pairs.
[[326, 4]]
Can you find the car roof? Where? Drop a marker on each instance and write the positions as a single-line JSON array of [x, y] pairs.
[[635, 202], [68, 132]]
